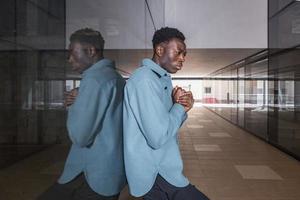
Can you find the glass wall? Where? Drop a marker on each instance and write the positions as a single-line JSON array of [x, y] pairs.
[[31, 117], [267, 101], [241, 93], [284, 68], [264, 102], [34, 72]]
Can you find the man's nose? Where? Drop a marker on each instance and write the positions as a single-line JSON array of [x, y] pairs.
[[182, 57]]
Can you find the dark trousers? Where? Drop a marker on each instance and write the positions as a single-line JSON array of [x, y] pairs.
[[162, 190], [77, 189]]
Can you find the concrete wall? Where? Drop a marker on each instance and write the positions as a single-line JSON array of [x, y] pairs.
[[126, 24], [220, 23]]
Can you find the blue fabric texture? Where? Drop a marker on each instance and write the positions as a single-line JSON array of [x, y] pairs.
[[95, 128], [151, 123]]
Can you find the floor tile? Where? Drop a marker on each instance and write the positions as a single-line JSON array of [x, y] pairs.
[[257, 172], [56, 168], [204, 120], [219, 134], [207, 147], [194, 126]]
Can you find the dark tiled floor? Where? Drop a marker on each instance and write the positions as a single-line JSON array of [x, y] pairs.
[[9, 154]]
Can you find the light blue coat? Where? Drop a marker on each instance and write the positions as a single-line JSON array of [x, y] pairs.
[[151, 123], [95, 129]]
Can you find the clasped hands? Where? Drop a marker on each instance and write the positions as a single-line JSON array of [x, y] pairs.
[[185, 98]]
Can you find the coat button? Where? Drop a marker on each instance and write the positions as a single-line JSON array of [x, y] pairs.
[[166, 87]]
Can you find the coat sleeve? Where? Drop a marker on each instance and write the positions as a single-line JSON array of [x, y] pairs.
[[156, 122]]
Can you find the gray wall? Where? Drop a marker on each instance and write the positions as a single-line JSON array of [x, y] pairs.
[[126, 24], [220, 23]]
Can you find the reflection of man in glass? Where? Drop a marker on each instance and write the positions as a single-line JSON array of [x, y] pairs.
[[153, 113], [94, 168]]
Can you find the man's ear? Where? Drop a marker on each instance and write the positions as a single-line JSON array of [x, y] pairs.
[[91, 51], [159, 50]]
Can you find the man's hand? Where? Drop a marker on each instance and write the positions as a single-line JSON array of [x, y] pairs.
[[70, 97], [176, 93], [186, 100], [183, 97]]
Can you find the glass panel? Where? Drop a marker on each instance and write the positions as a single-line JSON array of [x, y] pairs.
[[69, 85], [34, 73], [77, 83], [30, 30], [241, 96], [195, 86], [255, 102], [284, 28], [233, 96], [219, 99], [276, 5], [284, 110]]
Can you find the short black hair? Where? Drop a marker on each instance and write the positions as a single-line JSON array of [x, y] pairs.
[[165, 34], [88, 36]]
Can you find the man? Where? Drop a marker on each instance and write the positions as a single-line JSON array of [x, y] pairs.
[[94, 168], [153, 113]]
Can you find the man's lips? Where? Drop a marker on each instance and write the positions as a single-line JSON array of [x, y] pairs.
[[179, 66]]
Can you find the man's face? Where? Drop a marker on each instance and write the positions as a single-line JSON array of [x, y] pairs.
[[78, 57], [173, 55]]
